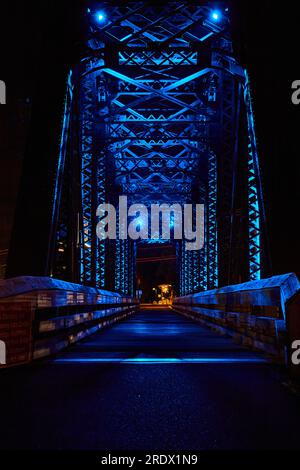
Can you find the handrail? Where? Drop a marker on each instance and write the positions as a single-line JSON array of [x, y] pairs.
[[253, 313], [40, 316]]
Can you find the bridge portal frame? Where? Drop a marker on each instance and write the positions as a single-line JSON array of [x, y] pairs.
[[173, 52]]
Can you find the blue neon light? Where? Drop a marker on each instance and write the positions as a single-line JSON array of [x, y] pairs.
[[165, 360], [216, 15], [100, 15]]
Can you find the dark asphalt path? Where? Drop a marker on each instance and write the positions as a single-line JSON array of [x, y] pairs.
[[156, 381]]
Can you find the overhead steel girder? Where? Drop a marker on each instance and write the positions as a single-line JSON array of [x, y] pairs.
[[145, 24], [162, 93], [142, 173], [176, 58]]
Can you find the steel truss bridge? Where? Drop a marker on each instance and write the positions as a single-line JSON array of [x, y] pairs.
[[157, 109]]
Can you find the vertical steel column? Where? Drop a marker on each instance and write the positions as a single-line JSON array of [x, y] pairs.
[[125, 259], [118, 274], [122, 260], [186, 274], [58, 249], [132, 268], [203, 253], [87, 117], [255, 197], [93, 170], [211, 231], [178, 287], [196, 256], [227, 153]]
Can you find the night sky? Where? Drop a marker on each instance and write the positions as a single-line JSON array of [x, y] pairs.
[[270, 34], [266, 34]]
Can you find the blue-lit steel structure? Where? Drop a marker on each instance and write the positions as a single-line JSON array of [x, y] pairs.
[[162, 113]]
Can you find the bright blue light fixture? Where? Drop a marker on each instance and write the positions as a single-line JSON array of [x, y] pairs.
[[216, 15], [100, 15]]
